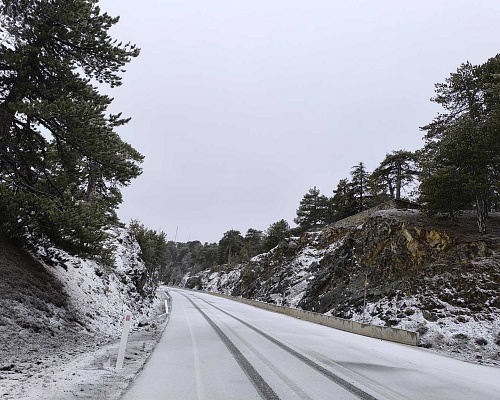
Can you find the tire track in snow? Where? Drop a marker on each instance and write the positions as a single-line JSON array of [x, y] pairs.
[[290, 383], [330, 375], [265, 391]]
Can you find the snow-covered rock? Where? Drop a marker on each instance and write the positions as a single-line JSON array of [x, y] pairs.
[[434, 276]]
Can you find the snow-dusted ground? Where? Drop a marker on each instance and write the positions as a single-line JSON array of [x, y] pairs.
[[457, 334], [88, 375], [68, 349], [297, 272]]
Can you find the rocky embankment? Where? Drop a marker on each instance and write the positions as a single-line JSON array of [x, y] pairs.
[[437, 277]]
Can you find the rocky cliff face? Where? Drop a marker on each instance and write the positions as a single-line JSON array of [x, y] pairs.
[[436, 277]]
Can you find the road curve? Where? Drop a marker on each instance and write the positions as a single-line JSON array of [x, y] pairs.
[[214, 348]]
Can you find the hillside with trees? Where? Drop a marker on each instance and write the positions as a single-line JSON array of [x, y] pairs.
[[433, 270], [457, 170], [62, 162], [397, 268], [63, 165]]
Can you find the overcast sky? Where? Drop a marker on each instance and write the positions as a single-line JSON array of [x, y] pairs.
[[240, 107]]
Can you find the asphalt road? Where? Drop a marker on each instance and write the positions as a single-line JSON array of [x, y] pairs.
[[217, 349]]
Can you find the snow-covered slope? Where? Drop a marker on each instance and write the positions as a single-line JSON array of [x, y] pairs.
[[52, 311], [437, 277], [99, 296]]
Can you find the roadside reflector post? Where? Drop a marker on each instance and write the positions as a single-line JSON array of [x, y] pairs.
[[166, 307], [127, 321]]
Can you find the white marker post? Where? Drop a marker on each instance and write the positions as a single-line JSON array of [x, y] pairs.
[[167, 298], [127, 321]]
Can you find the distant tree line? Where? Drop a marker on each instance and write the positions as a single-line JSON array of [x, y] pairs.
[[169, 261], [362, 191]]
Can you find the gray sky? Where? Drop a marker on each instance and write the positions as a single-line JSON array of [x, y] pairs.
[[240, 107]]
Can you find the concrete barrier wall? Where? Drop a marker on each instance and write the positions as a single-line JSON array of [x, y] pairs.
[[378, 332]]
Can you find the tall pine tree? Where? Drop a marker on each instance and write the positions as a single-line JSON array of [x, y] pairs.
[[396, 171], [462, 144], [343, 202], [359, 184], [230, 245], [276, 232], [313, 209], [61, 161]]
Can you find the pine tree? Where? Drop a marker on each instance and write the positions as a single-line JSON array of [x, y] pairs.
[[61, 161], [343, 202], [359, 184], [230, 245], [396, 171], [154, 251], [462, 144], [253, 244], [443, 191], [313, 209], [277, 232]]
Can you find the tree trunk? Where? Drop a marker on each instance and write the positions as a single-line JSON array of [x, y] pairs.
[[6, 120], [7, 117], [482, 213], [391, 188], [398, 183], [92, 181]]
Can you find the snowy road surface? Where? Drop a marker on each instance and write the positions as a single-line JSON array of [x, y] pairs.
[[216, 349]]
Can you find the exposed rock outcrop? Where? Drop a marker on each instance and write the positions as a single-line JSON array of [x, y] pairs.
[[434, 276]]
